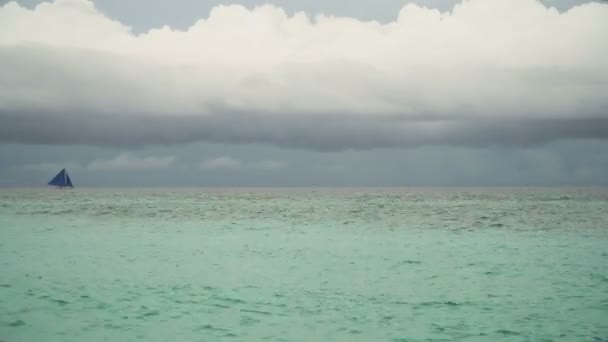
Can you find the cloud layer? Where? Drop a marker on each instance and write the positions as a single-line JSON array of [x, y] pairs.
[[489, 72], [123, 162], [230, 163], [127, 161], [225, 162]]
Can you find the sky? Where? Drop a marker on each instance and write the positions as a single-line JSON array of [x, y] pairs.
[[304, 93]]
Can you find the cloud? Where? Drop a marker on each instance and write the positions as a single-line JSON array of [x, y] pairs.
[[128, 162], [225, 162], [489, 72], [51, 166], [269, 165], [230, 163]]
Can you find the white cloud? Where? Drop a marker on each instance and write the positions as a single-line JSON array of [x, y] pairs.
[[225, 162], [325, 82], [268, 165], [128, 162], [52, 166], [230, 163]]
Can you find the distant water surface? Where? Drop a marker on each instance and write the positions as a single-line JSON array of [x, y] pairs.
[[304, 264]]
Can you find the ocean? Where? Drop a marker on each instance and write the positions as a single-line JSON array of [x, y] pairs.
[[407, 264]]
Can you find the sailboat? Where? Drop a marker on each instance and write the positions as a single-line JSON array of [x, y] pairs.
[[62, 180]]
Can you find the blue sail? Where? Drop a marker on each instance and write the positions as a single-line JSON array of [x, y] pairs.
[[61, 179]]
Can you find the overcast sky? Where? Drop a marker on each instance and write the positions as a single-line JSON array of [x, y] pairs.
[[304, 93]]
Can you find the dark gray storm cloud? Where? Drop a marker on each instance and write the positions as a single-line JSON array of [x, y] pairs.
[[323, 133], [488, 73], [581, 162]]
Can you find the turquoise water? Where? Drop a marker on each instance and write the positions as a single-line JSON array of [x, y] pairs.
[[304, 265]]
